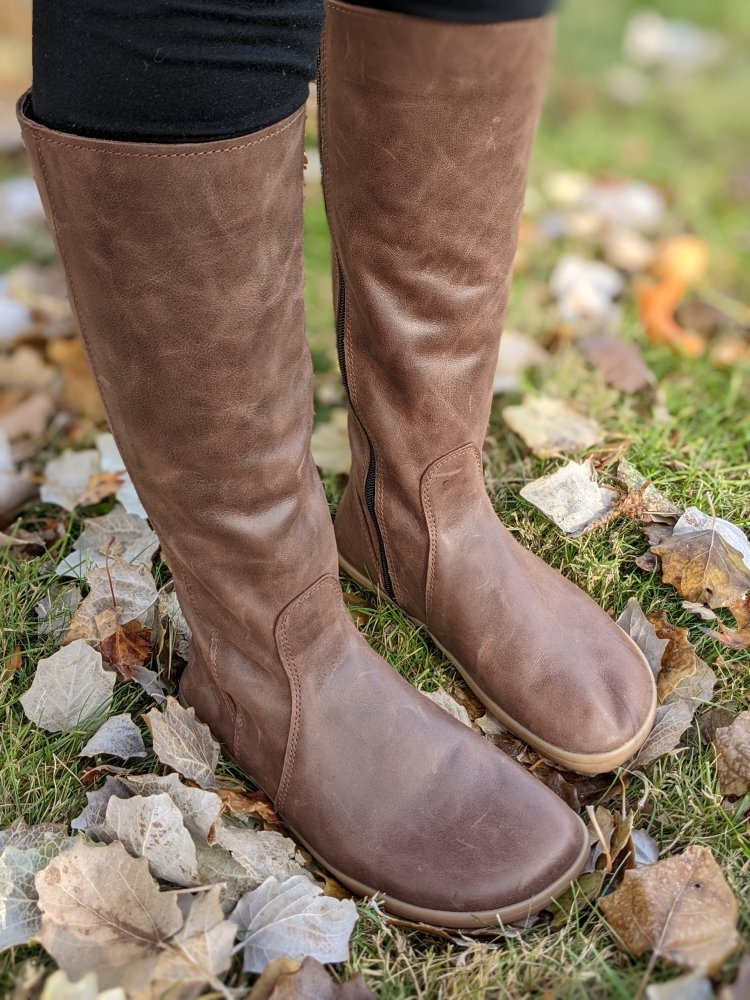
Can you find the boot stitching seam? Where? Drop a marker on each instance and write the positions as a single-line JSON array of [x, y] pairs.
[[290, 667], [432, 522], [201, 152]]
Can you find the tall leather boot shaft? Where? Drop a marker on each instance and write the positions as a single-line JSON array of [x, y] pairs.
[[426, 131], [184, 268]]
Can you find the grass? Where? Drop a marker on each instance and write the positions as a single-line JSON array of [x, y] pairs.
[[691, 138]]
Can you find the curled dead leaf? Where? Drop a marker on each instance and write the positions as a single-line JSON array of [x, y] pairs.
[[680, 908]]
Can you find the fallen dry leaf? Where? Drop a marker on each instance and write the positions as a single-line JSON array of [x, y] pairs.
[[260, 852], [20, 859], [704, 567], [308, 981], [117, 737], [183, 743], [619, 362], [518, 353], [102, 912], [69, 688], [292, 919], [79, 394], [571, 497], [642, 632], [443, 700], [240, 801], [59, 987], [151, 827], [680, 908], [549, 426], [199, 809], [120, 593], [66, 477], [653, 506], [670, 722], [693, 986], [127, 648], [117, 535], [199, 952], [683, 674], [733, 756], [111, 461]]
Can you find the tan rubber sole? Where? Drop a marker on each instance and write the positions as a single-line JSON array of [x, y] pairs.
[[456, 919], [582, 763]]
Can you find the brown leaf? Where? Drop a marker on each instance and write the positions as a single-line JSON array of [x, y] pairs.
[[100, 486], [127, 648], [619, 362], [240, 801], [682, 673], [79, 394], [309, 981], [704, 567], [681, 909], [733, 756], [576, 790]]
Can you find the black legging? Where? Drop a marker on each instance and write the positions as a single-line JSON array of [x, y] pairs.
[[194, 70]]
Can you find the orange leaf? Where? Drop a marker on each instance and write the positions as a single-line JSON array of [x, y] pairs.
[[127, 648]]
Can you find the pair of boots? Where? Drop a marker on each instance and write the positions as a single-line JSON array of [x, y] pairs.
[[184, 265]]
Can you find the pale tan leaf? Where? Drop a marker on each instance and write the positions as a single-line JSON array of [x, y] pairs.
[[733, 756], [19, 912], [199, 809], [693, 986], [260, 853], [117, 737], [670, 722], [292, 919], [102, 912], [66, 477], [449, 704], [680, 908], [642, 632], [184, 744], [117, 535], [151, 827], [571, 497], [69, 688], [59, 987], [550, 426], [201, 951]]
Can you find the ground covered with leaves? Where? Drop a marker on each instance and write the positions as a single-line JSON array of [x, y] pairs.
[[133, 854]]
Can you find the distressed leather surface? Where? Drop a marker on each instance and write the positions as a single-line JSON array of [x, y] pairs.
[[426, 130], [184, 268]]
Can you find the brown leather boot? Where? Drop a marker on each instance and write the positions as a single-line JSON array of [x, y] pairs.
[[426, 129], [184, 267]]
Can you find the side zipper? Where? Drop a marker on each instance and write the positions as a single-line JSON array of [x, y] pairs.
[[372, 464]]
